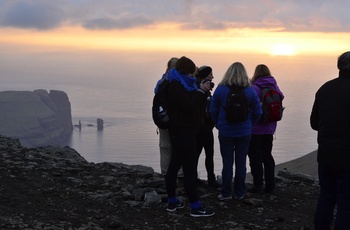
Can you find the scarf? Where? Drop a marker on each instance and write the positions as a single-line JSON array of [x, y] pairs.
[[188, 82]]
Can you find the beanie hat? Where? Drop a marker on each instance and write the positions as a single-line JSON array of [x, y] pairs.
[[204, 72], [185, 66]]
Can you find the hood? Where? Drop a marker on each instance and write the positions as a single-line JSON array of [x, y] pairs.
[[267, 81]]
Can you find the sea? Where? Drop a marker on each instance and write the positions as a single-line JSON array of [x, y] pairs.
[[118, 88]]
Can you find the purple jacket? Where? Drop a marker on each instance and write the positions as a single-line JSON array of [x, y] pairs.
[[263, 82]]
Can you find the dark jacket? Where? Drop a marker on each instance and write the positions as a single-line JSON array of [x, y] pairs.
[[330, 116], [185, 108], [206, 118]]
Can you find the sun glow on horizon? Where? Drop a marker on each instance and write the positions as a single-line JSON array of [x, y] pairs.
[[171, 38], [283, 50]]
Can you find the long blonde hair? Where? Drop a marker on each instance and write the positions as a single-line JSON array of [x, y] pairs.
[[237, 75]]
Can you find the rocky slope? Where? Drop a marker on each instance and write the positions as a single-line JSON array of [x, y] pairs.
[[55, 188]]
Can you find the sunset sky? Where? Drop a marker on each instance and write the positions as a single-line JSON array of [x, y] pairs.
[[273, 27]]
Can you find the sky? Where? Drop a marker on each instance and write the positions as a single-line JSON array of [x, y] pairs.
[[275, 27]]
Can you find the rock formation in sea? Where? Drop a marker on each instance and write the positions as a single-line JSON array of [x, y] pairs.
[[36, 117]]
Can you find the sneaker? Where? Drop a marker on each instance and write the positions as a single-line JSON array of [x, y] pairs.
[[214, 184], [223, 198], [172, 207], [255, 189], [239, 197], [201, 212], [199, 181], [269, 190]]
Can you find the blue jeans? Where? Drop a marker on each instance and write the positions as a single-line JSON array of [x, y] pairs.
[[334, 191], [234, 150]]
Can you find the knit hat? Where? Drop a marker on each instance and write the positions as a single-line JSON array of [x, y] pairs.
[[185, 66], [204, 72]]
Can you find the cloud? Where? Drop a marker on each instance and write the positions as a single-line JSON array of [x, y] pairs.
[[109, 23], [31, 14], [289, 15]]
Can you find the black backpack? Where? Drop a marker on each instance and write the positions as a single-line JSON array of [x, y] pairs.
[[160, 111], [237, 105]]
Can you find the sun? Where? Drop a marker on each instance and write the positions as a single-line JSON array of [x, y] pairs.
[[283, 50]]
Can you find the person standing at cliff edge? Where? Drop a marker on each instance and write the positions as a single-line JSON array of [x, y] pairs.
[[330, 116], [261, 161], [185, 100], [205, 137], [164, 138]]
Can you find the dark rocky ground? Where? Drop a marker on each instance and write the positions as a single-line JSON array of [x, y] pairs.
[[55, 188]]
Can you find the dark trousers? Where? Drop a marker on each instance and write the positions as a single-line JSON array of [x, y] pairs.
[[261, 160], [334, 191], [205, 139], [183, 155]]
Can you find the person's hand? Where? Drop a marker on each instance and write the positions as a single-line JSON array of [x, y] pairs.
[[205, 86]]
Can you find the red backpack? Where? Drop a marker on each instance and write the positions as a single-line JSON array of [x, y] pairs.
[[271, 104]]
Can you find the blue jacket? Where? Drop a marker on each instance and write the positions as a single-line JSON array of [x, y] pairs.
[[218, 112], [258, 85]]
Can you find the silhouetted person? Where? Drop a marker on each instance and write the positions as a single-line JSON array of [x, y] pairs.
[[185, 100], [330, 116]]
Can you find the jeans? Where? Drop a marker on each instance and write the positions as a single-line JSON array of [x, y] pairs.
[[334, 192], [234, 150], [261, 160]]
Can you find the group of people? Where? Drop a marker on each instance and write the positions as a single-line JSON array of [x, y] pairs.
[[194, 112]]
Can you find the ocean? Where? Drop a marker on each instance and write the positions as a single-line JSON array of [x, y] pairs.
[[118, 88]]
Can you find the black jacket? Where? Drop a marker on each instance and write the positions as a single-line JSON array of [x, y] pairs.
[[185, 108], [330, 116]]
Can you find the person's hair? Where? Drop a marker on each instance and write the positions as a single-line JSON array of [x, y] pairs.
[[171, 64], [203, 72], [344, 61], [185, 66], [236, 74], [261, 71]]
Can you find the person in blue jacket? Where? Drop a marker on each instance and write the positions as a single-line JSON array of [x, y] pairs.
[[234, 137]]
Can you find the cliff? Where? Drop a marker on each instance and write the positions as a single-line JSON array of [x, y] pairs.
[[56, 188], [36, 117]]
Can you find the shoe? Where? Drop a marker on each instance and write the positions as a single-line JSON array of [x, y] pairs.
[[255, 189], [214, 184], [199, 181], [224, 198], [239, 197], [172, 207], [269, 190], [201, 212]]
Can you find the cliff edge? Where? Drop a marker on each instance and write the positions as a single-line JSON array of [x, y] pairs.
[[36, 118], [56, 188]]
